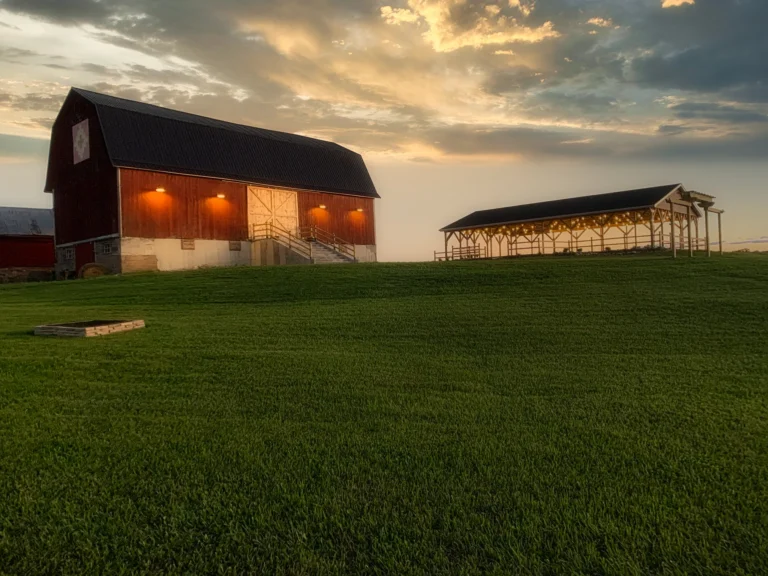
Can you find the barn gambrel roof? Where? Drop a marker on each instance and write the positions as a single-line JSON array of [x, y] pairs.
[[627, 200], [148, 137]]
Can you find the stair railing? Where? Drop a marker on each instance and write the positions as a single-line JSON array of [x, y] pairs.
[[313, 233], [271, 231]]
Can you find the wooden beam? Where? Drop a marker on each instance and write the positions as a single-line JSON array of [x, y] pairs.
[[690, 234], [706, 232], [653, 231], [720, 231], [672, 232]]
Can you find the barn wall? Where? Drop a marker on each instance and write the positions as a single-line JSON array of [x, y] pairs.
[[27, 252], [340, 216], [84, 194], [189, 208], [167, 254]]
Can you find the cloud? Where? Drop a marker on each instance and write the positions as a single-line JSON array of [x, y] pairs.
[[70, 11], [20, 149], [673, 3], [710, 46], [525, 6], [759, 240], [455, 24], [31, 101], [601, 22], [396, 16], [672, 129], [717, 112], [426, 79]]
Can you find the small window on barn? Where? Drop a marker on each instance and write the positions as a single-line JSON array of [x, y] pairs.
[[69, 254], [235, 246], [108, 248], [188, 244]]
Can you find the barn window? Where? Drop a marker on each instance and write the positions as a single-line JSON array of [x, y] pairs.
[[235, 246], [69, 254], [108, 248]]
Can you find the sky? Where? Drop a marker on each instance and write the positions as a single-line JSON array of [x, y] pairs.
[[456, 105]]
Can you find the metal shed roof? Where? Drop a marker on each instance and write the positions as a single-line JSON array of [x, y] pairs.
[[26, 222], [566, 208], [149, 137]]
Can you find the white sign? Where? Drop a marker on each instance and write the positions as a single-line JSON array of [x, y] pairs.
[[81, 141]]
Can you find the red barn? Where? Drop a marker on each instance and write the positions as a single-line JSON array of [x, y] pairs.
[[140, 187], [26, 238]]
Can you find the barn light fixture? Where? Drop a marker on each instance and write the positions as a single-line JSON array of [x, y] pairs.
[[160, 189], [221, 196], [322, 206], [359, 209]]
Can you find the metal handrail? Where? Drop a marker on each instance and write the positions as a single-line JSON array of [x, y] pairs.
[[271, 231], [329, 239]]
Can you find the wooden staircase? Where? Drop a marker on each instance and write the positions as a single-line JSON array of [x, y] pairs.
[[312, 243]]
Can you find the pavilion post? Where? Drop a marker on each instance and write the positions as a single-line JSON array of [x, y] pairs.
[[720, 231], [446, 245], [672, 232], [634, 218], [690, 234], [698, 241], [706, 231], [653, 231], [661, 236]]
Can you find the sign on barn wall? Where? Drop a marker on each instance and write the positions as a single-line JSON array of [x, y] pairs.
[[81, 144]]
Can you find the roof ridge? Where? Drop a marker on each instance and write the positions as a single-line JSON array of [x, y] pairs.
[[266, 132]]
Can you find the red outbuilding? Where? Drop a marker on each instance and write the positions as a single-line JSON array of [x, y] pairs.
[[26, 238]]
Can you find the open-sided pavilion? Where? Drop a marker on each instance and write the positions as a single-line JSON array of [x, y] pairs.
[[662, 217]]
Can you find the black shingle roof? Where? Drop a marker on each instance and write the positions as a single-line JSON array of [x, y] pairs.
[[148, 137], [568, 207]]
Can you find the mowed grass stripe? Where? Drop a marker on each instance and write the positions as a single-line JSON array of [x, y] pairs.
[[591, 415]]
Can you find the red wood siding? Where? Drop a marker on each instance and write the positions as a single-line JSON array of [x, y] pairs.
[[340, 216], [27, 252], [189, 207], [85, 194]]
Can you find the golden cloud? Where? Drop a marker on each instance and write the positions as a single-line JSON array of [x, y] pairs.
[[673, 3], [489, 27]]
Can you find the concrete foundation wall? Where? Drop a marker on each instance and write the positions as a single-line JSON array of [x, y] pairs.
[[365, 253], [271, 253], [147, 254], [140, 254]]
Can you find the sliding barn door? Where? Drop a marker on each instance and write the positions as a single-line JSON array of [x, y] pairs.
[[270, 206]]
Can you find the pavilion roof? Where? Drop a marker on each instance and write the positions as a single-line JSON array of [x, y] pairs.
[[566, 208]]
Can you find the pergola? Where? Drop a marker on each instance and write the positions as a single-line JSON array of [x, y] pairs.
[[663, 217]]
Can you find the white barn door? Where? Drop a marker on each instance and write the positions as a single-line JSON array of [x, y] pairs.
[[270, 206]]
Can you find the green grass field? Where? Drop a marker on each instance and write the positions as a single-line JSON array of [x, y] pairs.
[[543, 416]]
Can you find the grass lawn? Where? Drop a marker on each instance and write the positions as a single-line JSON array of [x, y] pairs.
[[584, 415]]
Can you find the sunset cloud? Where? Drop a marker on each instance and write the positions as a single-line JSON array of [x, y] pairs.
[[602, 22], [447, 33], [397, 16], [673, 3], [412, 79]]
